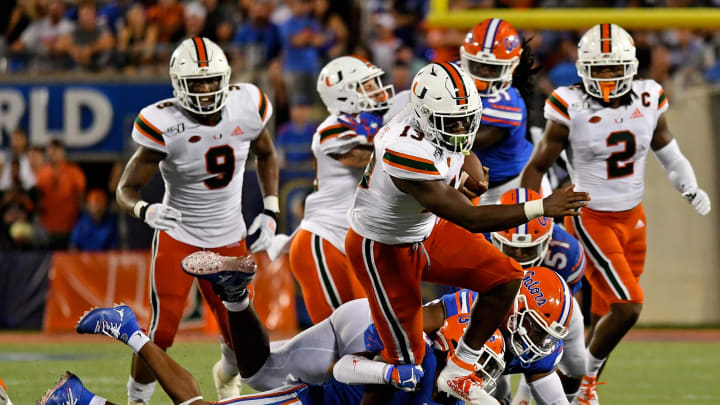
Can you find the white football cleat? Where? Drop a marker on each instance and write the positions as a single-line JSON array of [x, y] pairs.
[[588, 391], [226, 386]]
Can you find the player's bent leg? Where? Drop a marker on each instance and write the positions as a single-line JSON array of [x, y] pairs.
[[230, 277]]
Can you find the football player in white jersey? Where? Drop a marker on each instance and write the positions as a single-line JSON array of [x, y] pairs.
[[608, 125], [200, 140], [352, 90], [396, 238]]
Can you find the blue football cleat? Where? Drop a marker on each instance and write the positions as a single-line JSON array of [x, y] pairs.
[[405, 377], [68, 391], [229, 276], [118, 322]]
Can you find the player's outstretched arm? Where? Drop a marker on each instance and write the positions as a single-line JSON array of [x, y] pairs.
[[678, 167], [446, 202], [545, 154], [358, 156], [268, 174], [139, 170]]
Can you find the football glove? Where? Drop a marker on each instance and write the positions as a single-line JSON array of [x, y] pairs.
[[372, 339], [266, 224], [699, 200], [366, 124], [404, 377], [162, 217]]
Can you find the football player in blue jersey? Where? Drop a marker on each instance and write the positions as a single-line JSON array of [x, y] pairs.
[[534, 331], [500, 63], [541, 243]]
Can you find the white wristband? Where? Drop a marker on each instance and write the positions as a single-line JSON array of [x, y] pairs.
[[271, 203], [533, 209], [139, 206]]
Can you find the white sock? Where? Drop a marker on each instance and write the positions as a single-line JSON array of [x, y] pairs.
[[138, 392], [137, 341], [593, 365], [227, 360], [238, 306], [466, 353], [523, 391], [96, 400]]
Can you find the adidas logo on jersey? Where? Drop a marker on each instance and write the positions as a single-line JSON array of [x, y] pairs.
[[637, 114], [237, 131], [639, 224]]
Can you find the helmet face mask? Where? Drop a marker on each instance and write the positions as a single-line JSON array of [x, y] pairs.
[[529, 337], [351, 85], [196, 62], [602, 49], [491, 75]]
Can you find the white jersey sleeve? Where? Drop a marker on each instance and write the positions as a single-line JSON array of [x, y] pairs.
[[337, 138], [147, 130], [259, 98], [410, 160], [556, 106]]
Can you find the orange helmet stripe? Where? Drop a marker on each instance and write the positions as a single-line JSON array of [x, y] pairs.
[[460, 90], [605, 38], [201, 52]]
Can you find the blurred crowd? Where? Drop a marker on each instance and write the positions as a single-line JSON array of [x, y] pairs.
[[279, 45]]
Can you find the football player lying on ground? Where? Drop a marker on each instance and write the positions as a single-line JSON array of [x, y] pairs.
[[541, 243], [324, 343], [534, 328]]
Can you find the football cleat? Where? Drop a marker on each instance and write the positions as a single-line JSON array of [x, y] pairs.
[[588, 391], [458, 379], [405, 377], [118, 322], [227, 386], [68, 391], [229, 276], [4, 398]]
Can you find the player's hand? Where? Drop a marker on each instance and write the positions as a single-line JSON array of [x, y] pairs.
[[162, 217], [564, 201], [699, 200], [404, 377], [366, 124], [373, 343], [266, 224]]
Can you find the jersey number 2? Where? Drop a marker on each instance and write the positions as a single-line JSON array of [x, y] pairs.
[[219, 160], [616, 162]]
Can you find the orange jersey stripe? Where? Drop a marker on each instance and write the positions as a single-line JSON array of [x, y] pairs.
[[410, 169], [558, 98], [506, 107], [415, 158], [146, 122], [142, 131], [662, 104], [501, 121], [201, 52], [557, 109]]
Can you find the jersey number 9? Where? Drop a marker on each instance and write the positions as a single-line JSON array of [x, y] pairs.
[[219, 160]]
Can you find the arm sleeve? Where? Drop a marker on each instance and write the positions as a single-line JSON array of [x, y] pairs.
[[410, 162], [556, 108], [548, 390], [677, 167], [145, 133], [353, 369], [502, 115]]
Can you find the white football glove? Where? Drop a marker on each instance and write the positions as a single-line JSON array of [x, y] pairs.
[[700, 200], [162, 217], [266, 224]]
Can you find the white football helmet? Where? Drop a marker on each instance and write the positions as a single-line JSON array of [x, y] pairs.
[[340, 85], [446, 106], [606, 45], [199, 58]]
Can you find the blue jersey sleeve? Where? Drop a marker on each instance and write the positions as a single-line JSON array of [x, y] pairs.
[[542, 366], [506, 110], [566, 257], [458, 302]]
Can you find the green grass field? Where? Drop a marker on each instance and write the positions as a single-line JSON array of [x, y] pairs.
[[638, 372]]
